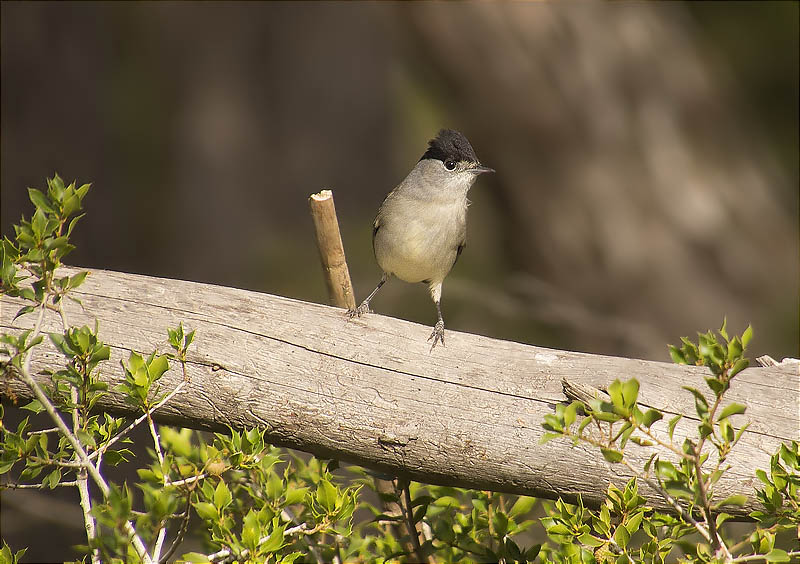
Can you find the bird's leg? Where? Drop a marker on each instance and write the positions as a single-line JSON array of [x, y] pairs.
[[364, 307], [438, 329]]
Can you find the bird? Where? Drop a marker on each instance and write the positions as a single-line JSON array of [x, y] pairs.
[[421, 227]]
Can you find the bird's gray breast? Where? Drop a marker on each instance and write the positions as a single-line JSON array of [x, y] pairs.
[[417, 240]]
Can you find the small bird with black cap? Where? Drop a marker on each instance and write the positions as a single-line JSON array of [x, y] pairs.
[[421, 227]]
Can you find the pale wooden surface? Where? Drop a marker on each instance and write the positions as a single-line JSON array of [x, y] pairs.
[[370, 391]]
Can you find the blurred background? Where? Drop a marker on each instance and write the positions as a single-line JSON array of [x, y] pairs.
[[646, 153]]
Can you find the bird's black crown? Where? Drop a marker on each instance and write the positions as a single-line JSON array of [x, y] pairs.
[[449, 144]]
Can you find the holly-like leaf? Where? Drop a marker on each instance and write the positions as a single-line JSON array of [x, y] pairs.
[[40, 200]]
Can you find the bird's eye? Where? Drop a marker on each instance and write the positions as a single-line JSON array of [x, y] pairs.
[[450, 165]]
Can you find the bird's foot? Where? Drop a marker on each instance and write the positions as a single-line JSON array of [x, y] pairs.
[[359, 311], [438, 334]]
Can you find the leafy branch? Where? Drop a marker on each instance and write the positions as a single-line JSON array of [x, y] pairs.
[[687, 482]]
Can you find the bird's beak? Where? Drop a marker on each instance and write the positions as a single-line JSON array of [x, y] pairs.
[[480, 169]]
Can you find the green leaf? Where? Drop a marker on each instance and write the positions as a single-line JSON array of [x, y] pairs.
[[115, 457], [71, 205], [77, 279], [385, 517], [195, 558], [522, 506], [40, 200], [73, 223], [721, 518], [622, 536], [700, 403], [705, 429], [611, 455], [726, 430], [419, 513], [500, 522], [294, 495], [732, 409], [100, 354], [39, 223], [746, 336], [157, 367], [615, 392], [789, 455], [35, 406], [777, 555], [723, 330], [650, 417], [590, 540], [677, 488], [677, 355], [55, 243], [737, 499], [172, 337], [672, 423], [275, 541], [513, 551], [735, 348], [570, 413], [641, 442], [422, 500], [634, 522], [222, 495], [533, 552], [447, 501], [479, 504], [630, 392], [56, 187], [716, 386], [740, 365], [206, 510], [7, 557], [52, 479], [86, 438], [82, 337], [24, 310], [554, 422], [549, 437], [327, 495], [626, 431], [135, 361], [81, 192], [665, 470], [250, 530]]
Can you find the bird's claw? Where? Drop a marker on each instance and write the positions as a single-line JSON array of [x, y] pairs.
[[359, 311], [438, 334]]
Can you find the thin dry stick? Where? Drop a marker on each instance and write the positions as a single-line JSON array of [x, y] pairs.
[[405, 487], [331, 250], [82, 480]]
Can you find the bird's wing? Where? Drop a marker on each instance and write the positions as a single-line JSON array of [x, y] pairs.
[[460, 249], [375, 226]]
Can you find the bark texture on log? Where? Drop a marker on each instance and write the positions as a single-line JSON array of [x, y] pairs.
[[370, 390]]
